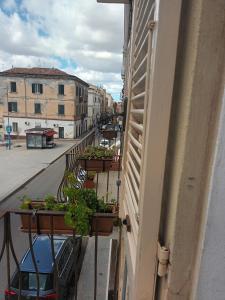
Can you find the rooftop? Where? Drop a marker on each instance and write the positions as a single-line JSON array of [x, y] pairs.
[[41, 72]]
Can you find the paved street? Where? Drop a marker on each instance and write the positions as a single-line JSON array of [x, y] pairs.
[[18, 165]]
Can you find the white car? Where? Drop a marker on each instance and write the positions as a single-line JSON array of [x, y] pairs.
[[104, 143]]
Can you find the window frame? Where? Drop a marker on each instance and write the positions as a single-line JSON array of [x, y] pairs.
[[13, 84], [15, 127], [61, 90], [11, 105], [37, 88], [59, 111], [35, 106]]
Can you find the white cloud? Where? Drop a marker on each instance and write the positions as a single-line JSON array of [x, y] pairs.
[[9, 4], [89, 34]]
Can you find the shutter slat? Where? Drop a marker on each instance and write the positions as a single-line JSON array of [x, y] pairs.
[[134, 141], [138, 51], [138, 96], [142, 25], [132, 150], [135, 186], [140, 67], [130, 161], [137, 126], [139, 82], [137, 111], [130, 191]]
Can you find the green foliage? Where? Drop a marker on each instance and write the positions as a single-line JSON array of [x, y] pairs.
[[80, 206], [49, 202], [26, 203], [78, 216], [98, 152], [91, 175]]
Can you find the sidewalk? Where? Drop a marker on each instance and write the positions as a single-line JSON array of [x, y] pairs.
[[19, 165]]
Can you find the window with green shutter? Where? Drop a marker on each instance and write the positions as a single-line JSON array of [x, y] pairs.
[[61, 109]]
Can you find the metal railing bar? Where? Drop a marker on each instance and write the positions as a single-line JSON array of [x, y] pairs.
[[4, 238], [7, 249], [107, 187], [96, 260], [14, 256], [33, 256], [75, 265], [97, 185], [56, 277]]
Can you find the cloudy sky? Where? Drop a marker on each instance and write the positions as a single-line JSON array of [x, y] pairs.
[[81, 37]]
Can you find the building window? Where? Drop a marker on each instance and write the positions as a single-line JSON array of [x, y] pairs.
[[77, 91], [61, 109], [13, 87], [14, 127], [37, 88], [37, 108], [61, 89], [12, 106]]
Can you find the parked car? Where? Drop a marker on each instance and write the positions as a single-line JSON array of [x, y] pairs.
[[104, 143], [65, 260]]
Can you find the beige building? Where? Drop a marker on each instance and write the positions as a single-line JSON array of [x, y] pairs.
[[43, 97], [173, 184], [95, 98]]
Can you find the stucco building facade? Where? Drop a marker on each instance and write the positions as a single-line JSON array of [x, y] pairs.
[[95, 97], [42, 97]]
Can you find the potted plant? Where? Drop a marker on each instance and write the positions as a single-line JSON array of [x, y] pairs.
[[89, 182], [44, 220], [109, 134], [83, 213], [97, 159]]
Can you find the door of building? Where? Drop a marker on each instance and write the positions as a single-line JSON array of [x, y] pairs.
[[61, 132]]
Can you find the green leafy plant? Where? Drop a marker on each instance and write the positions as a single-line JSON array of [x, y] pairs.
[[49, 202], [80, 206], [92, 152], [26, 203], [91, 175]]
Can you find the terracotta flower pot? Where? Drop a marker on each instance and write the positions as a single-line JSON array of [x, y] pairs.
[[102, 223], [41, 224], [89, 184], [47, 222], [98, 165]]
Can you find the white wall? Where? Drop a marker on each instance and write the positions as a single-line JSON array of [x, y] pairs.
[[55, 124], [211, 283]]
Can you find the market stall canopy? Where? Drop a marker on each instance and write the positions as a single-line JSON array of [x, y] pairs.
[[42, 131]]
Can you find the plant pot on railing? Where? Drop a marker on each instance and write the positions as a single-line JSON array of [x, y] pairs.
[[96, 159], [89, 184], [95, 164], [102, 223], [41, 223], [44, 223], [85, 216], [109, 134]]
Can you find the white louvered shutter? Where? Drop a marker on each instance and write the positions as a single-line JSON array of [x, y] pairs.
[[137, 108]]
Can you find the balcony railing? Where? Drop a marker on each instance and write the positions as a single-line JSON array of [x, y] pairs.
[[8, 251]]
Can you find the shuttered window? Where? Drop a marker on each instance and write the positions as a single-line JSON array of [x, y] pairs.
[[138, 93], [37, 88]]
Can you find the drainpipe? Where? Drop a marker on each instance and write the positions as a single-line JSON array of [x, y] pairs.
[[25, 96]]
